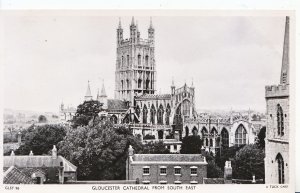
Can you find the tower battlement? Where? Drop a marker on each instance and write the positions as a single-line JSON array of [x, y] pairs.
[[281, 90]]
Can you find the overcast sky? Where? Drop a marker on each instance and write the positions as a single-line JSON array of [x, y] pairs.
[[49, 59]]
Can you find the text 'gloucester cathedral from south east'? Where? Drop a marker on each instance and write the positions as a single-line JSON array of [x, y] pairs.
[[167, 117]]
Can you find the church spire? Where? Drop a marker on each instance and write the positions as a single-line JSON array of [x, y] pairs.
[[88, 95], [132, 21], [284, 77], [151, 25], [103, 92], [120, 25]]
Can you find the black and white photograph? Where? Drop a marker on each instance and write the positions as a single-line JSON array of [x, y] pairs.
[[141, 98]]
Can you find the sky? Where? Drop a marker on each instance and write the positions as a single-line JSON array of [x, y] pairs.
[[49, 58]]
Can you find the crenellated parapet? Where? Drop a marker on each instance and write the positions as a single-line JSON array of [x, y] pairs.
[[281, 90]]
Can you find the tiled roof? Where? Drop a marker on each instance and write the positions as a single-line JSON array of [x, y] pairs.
[[115, 104], [37, 161], [169, 157], [154, 96], [213, 180], [14, 176]]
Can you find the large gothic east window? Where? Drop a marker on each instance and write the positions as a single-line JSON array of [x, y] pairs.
[[240, 135], [280, 164], [225, 138], [160, 114], [280, 120], [186, 108]]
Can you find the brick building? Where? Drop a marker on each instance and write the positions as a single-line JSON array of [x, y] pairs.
[[166, 168]]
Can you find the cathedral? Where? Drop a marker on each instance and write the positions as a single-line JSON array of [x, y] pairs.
[[277, 133], [168, 117]]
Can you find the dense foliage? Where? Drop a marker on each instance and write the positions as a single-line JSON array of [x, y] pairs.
[[191, 144], [260, 140], [86, 112], [155, 148], [42, 119], [99, 150], [40, 139], [249, 161]]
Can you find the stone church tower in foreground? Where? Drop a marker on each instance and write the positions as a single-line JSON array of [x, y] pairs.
[[277, 133], [135, 65]]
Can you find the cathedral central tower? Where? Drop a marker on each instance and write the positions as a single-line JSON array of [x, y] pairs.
[[135, 65]]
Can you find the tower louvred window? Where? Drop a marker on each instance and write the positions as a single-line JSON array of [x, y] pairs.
[[280, 121]]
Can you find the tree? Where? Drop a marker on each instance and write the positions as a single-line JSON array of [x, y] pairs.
[[99, 150], [86, 112], [260, 140], [40, 139], [213, 170], [191, 145], [226, 154], [249, 161], [155, 148], [42, 119]]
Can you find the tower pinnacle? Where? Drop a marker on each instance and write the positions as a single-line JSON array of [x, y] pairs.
[[284, 78], [151, 25], [88, 96], [132, 21], [120, 26]]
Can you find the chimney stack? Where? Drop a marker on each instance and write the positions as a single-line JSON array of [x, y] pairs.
[[228, 172], [54, 152]]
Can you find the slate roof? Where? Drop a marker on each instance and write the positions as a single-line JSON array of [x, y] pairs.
[[115, 104], [154, 96], [168, 157], [37, 161], [213, 181], [14, 176]]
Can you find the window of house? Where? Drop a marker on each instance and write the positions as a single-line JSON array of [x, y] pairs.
[[163, 170], [177, 182], [175, 147], [194, 171], [146, 170], [194, 182], [177, 170]]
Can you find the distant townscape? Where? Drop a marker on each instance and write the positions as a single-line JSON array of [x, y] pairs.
[[141, 137]]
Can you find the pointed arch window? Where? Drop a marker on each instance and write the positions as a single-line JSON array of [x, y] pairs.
[[145, 112], [160, 114], [139, 60], [225, 137], [152, 114], [280, 163], [147, 60], [280, 121], [240, 135], [186, 131], [122, 61], [168, 112], [138, 111], [195, 131], [139, 83], [186, 108], [127, 60], [127, 83], [122, 84]]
